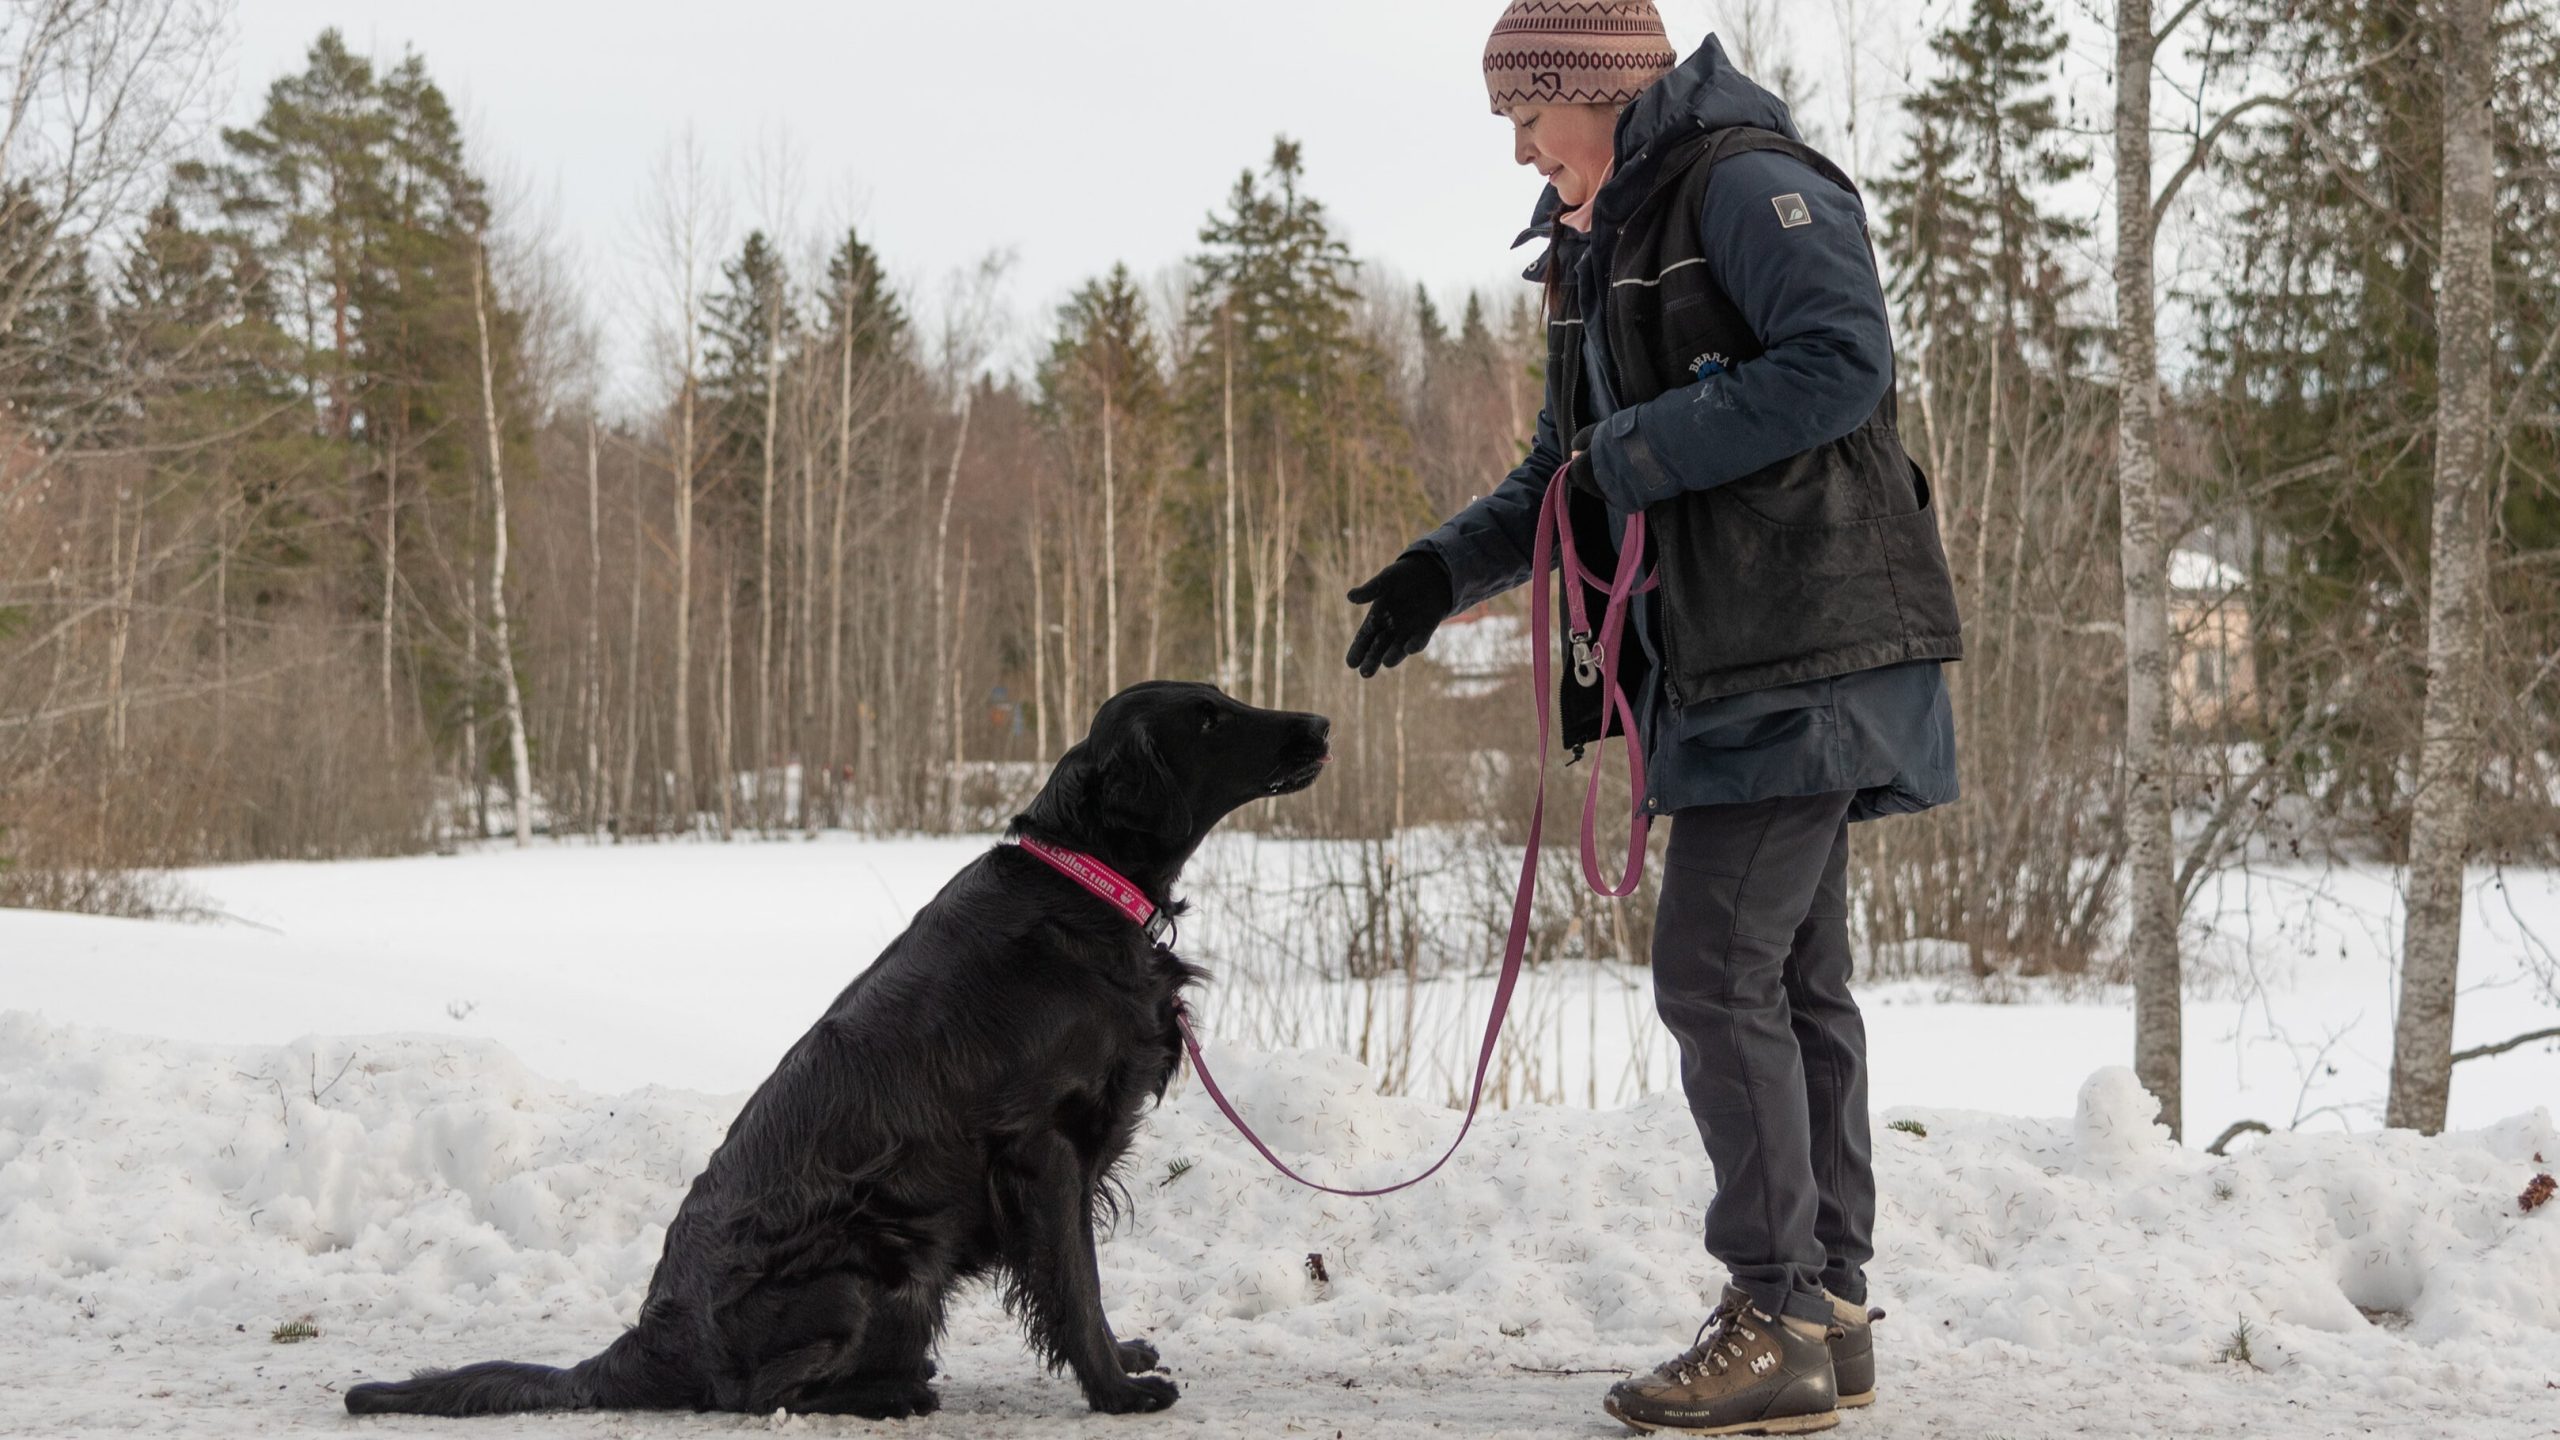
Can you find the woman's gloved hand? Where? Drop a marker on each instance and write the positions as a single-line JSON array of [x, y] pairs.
[[1580, 473], [1407, 601]]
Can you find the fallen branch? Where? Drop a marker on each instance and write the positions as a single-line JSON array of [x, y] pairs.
[[2238, 1129]]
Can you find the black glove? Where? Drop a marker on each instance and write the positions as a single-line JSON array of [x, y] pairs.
[[1407, 601], [1580, 475]]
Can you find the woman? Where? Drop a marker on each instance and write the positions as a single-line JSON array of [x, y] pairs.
[[1719, 358]]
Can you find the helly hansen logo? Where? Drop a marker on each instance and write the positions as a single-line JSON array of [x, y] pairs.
[[1792, 211]]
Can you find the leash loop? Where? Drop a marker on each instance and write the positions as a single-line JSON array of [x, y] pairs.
[[1593, 654]]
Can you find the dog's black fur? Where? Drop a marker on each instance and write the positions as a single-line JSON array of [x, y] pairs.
[[956, 1114]]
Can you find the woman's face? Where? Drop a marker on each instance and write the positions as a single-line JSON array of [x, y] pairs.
[[1570, 144]]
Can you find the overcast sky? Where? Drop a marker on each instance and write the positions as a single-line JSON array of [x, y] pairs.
[[1072, 135]]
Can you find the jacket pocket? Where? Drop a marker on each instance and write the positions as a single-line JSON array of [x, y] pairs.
[[1854, 478], [1745, 590]]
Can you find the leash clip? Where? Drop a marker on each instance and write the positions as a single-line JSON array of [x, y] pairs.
[[1586, 658]]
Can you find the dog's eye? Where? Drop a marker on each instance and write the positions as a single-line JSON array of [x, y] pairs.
[[1211, 718]]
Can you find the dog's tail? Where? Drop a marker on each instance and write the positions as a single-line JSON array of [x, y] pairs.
[[502, 1387]]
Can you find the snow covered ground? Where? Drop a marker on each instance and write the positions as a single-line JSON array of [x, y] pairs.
[[443, 1107]]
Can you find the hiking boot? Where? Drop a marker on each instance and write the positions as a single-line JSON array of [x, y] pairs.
[[1749, 1374], [1853, 1351]]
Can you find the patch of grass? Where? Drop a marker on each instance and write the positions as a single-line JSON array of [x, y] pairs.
[[294, 1332], [2222, 1190], [1910, 1127]]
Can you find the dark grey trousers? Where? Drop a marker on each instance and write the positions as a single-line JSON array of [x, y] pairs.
[[1751, 972]]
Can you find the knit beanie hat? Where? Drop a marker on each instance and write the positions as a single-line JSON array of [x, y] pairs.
[[1575, 52]]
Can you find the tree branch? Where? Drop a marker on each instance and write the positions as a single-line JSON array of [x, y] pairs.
[[2213, 134], [2174, 21], [2483, 1052]]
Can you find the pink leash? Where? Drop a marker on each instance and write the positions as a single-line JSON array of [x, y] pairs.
[[1594, 654]]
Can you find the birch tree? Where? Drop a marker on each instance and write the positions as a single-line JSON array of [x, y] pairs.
[[681, 227], [519, 760], [2449, 752]]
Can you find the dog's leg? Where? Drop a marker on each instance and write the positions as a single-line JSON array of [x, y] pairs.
[[886, 1380], [807, 1331], [1056, 1284]]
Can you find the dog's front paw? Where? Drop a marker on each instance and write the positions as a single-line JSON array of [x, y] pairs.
[[1137, 1355], [1143, 1395]]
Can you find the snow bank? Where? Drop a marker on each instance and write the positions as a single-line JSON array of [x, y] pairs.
[[434, 1201]]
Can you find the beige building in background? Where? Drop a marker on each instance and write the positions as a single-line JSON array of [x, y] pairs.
[[2212, 674]]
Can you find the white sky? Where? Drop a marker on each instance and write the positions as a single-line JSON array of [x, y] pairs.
[[1072, 135]]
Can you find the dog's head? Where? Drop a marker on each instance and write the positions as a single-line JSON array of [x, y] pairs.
[[1164, 762]]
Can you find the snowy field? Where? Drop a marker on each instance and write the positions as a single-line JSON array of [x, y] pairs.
[[439, 1109]]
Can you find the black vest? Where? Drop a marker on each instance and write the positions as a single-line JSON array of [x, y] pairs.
[[1822, 564]]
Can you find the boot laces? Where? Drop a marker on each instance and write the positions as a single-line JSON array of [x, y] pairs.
[[1715, 1348]]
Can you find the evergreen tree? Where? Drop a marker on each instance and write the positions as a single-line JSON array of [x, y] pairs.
[[2322, 347], [53, 359], [857, 294], [1968, 210], [351, 196], [741, 346], [1285, 405]]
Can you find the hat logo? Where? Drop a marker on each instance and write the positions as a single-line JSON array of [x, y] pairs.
[[1792, 211]]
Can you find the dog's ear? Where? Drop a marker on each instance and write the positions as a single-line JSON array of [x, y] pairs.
[[1134, 789]]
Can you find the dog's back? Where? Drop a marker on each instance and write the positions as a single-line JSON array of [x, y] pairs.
[[863, 1158]]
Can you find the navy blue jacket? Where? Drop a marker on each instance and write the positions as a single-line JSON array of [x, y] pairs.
[[1816, 305]]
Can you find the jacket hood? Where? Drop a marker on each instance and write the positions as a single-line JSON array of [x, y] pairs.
[[1704, 93]]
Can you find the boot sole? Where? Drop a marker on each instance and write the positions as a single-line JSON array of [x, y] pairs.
[[1784, 1425], [1856, 1402]]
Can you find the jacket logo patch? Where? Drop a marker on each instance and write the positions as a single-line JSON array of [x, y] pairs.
[[1792, 211]]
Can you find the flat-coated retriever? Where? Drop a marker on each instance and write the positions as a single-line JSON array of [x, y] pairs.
[[956, 1114]]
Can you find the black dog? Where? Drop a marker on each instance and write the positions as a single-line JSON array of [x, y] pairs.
[[956, 1114]]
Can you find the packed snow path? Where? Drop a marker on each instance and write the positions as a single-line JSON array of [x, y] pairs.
[[166, 1206]]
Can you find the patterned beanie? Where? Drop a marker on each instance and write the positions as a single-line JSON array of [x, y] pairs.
[[1575, 52]]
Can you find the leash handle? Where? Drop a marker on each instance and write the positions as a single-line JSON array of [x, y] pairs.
[[1613, 702], [1544, 547]]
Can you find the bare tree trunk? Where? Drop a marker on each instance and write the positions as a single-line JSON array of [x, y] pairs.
[[763, 756], [725, 718], [959, 728], [1155, 571], [1227, 535], [593, 683], [2448, 754], [804, 713], [127, 562], [942, 629], [2150, 848], [1071, 638], [684, 217], [1110, 548], [1258, 569], [479, 793], [631, 689], [222, 630], [835, 548], [390, 576], [520, 765], [1039, 632]]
